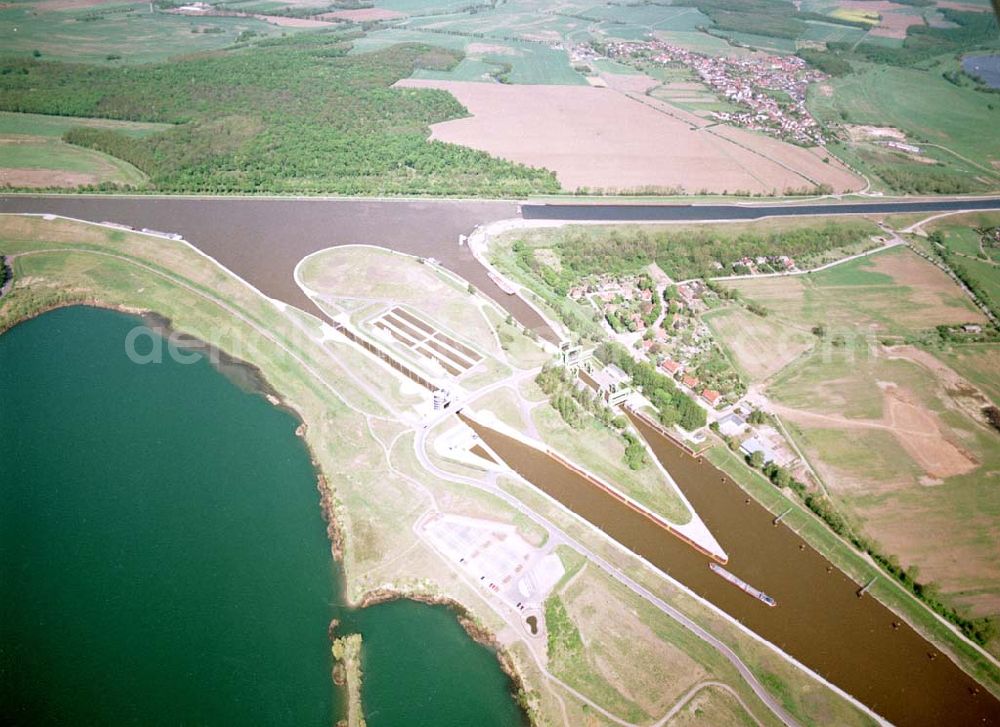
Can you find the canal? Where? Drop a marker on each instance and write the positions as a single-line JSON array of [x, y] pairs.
[[819, 618], [262, 240], [164, 561]]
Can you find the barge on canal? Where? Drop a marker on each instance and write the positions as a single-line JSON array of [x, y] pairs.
[[743, 585]]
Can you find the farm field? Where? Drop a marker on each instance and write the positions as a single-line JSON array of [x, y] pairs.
[[888, 293], [759, 347], [39, 162], [56, 126], [896, 433], [32, 154], [907, 459], [113, 33], [529, 63], [598, 139], [929, 109]]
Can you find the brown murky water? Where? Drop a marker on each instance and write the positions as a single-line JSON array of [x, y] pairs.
[[819, 618], [262, 240]]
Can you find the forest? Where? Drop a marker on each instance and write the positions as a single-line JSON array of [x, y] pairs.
[[281, 115]]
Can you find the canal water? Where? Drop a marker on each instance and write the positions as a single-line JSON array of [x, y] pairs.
[[819, 619], [163, 559], [262, 240]]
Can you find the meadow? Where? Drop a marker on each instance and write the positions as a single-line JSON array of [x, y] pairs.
[[949, 122], [115, 34], [968, 245], [32, 153], [892, 293], [895, 434]]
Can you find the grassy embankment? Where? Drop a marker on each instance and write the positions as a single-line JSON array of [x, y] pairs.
[[235, 130]]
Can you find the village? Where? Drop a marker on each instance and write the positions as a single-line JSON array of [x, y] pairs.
[[659, 321], [769, 90]]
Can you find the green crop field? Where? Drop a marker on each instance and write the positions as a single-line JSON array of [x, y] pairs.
[[830, 32], [51, 155], [56, 126], [530, 63], [932, 111], [651, 17], [103, 35]]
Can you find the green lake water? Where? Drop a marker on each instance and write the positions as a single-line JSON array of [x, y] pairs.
[[163, 559]]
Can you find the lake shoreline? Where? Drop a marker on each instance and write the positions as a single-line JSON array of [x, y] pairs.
[[472, 627], [334, 530]]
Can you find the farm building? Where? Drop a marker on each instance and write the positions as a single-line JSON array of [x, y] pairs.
[[732, 425], [753, 444]]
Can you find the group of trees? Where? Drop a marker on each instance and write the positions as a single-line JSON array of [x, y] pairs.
[[688, 253], [293, 114], [576, 403], [673, 405]]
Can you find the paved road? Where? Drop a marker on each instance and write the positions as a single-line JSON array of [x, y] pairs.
[[727, 212]]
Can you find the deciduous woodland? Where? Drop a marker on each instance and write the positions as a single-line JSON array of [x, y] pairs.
[[294, 114]]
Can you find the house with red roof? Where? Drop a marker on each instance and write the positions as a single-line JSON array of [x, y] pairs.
[[711, 396]]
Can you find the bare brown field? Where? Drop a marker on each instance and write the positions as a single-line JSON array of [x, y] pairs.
[[604, 140], [362, 15], [43, 178]]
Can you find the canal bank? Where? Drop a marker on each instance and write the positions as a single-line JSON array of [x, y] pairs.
[[856, 644], [162, 535]]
